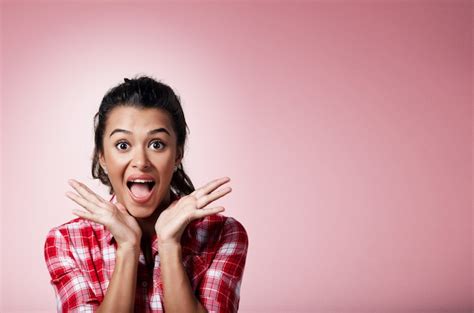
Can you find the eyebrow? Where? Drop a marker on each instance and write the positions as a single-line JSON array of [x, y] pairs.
[[151, 132]]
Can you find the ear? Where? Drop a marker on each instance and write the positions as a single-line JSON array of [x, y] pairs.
[[102, 160], [179, 156]]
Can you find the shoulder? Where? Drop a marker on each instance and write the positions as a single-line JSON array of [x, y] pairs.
[[234, 234], [218, 222], [213, 230], [76, 231], [233, 225]]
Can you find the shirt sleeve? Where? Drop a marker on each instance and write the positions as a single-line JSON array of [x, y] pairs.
[[72, 290], [219, 289]]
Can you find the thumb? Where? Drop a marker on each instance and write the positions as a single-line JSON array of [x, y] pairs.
[[173, 204], [122, 208]]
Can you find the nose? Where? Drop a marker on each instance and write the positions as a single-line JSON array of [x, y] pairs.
[[140, 160]]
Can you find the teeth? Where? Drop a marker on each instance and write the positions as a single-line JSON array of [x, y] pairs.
[[141, 181]]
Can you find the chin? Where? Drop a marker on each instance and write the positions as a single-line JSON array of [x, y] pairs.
[[142, 216], [141, 212]]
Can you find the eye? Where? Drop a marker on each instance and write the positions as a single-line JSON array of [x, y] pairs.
[[121, 145], [154, 143]]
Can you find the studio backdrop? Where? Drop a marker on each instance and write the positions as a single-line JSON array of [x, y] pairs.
[[345, 127]]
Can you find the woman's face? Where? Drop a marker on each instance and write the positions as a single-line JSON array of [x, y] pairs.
[[140, 155]]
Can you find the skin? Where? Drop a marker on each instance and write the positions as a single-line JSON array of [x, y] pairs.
[[140, 154], [129, 221]]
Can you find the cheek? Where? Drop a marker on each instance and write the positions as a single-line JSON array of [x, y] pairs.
[[166, 171], [116, 167]]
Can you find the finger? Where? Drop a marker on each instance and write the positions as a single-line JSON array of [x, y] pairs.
[[209, 187], [81, 201], [86, 193], [83, 214], [208, 211], [206, 199]]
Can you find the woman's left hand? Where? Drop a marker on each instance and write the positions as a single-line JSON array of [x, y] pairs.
[[172, 222]]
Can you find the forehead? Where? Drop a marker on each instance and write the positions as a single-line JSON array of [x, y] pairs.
[[137, 119]]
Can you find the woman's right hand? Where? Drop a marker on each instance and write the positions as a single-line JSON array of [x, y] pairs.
[[123, 226]]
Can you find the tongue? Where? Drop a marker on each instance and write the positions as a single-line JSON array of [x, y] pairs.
[[140, 190]]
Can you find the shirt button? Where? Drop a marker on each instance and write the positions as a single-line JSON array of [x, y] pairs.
[[144, 283]]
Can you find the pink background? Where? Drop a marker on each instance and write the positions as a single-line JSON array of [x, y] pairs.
[[344, 126]]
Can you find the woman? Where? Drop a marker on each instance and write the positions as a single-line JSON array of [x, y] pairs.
[[155, 246]]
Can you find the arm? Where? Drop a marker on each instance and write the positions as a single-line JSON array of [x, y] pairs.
[[72, 287], [177, 291], [219, 289], [120, 295]]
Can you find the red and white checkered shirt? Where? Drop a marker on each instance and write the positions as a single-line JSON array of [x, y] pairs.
[[80, 257]]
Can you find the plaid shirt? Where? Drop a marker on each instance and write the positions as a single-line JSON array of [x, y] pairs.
[[80, 257]]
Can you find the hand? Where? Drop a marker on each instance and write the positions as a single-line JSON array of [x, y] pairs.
[[123, 226], [172, 222]]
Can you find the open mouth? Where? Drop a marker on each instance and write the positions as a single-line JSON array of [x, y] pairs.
[[141, 190]]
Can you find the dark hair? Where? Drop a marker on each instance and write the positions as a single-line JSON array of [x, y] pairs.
[[142, 92]]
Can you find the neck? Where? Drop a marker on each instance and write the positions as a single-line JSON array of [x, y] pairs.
[[147, 224]]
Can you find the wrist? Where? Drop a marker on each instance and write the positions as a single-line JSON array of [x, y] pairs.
[[164, 246], [128, 249], [166, 241]]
